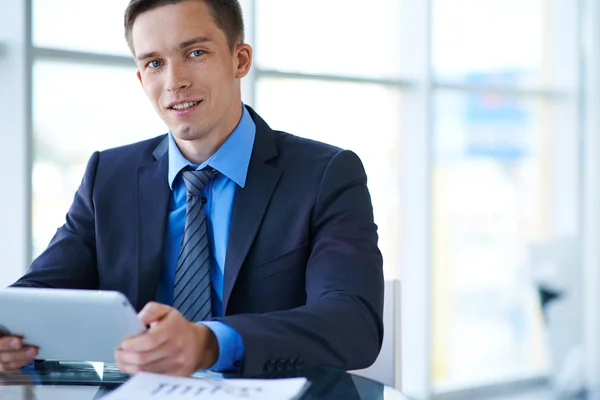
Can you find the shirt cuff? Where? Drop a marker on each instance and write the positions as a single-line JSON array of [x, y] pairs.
[[231, 347]]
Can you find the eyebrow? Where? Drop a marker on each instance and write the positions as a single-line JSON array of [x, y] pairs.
[[182, 45]]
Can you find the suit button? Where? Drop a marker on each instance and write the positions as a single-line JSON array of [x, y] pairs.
[[290, 365], [270, 366], [281, 365], [237, 364]]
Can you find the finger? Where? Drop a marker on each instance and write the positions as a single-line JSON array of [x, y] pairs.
[[167, 365], [17, 356], [12, 366], [127, 369], [9, 343], [159, 333], [153, 312], [147, 341], [141, 360]]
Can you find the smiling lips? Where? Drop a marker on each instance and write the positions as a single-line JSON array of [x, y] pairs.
[[183, 107]]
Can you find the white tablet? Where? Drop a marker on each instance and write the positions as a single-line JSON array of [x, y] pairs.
[[69, 325]]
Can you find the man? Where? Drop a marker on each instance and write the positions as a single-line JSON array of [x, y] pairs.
[[244, 249]]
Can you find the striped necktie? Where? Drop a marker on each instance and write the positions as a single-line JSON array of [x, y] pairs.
[[192, 291]]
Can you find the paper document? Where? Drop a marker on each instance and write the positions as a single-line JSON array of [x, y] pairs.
[[145, 385]]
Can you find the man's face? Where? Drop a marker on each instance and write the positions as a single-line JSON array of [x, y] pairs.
[[188, 70]]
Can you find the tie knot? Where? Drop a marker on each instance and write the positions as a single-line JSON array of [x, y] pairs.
[[196, 181]]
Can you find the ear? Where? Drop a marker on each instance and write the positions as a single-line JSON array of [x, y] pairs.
[[243, 59], [139, 76]]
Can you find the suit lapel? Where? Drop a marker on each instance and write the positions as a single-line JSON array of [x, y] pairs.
[[250, 204], [153, 205]]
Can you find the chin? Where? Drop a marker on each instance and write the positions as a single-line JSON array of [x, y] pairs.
[[188, 133]]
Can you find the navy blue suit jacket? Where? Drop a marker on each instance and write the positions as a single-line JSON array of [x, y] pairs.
[[303, 282]]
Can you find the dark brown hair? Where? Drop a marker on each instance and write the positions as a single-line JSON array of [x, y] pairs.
[[227, 15]]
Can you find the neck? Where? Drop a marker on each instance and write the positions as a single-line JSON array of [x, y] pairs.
[[199, 150]]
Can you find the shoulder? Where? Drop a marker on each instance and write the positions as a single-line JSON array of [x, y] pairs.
[[292, 148], [121, 162], [312, 154], [132, 152], [292, 151]]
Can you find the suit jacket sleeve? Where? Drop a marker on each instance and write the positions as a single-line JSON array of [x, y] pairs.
[[341, 324], [69, 262]]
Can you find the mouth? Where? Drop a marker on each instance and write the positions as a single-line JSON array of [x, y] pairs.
[[182, 108]]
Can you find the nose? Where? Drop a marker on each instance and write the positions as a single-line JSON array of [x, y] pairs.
[[178, 77]]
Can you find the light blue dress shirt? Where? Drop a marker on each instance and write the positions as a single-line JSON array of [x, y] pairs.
[[231, 160]]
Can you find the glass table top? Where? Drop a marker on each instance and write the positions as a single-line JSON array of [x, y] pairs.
[[87, 381]]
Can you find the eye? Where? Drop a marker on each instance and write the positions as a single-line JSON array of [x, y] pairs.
[[154, 64], [197, 53]]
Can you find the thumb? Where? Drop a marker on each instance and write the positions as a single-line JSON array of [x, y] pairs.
[[153, 312]]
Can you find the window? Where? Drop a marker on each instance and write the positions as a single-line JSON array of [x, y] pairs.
[[504, 185], [80, 26], [471, 35], [495, 202], [514, 43], [78, 109], [334, 37]]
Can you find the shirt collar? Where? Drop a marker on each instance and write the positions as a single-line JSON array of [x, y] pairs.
[[231, 159]]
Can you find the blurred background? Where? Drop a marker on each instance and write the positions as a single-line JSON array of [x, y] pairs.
[[476, 121]]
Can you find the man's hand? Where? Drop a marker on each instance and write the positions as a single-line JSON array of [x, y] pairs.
[[172, 345], [13, 355]]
